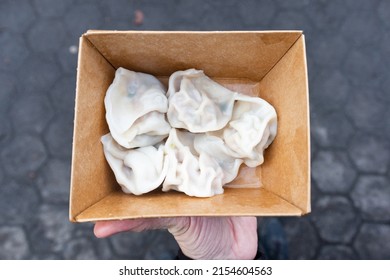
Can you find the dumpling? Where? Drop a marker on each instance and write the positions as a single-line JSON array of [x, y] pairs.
[[217, 149], [135, 105], [194, 174], [137, 171], [251, 130], [197, 103], [148, 130]]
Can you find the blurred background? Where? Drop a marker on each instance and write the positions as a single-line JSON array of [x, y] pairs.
[[348, 51]]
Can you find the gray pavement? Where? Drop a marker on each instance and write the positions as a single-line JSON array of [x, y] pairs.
[[348, 47]]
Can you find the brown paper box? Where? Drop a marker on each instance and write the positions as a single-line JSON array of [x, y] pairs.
[[270, 64]]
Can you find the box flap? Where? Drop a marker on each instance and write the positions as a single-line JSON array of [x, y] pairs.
[[286, 88], [234, 54], [94, 75], [235, 202]]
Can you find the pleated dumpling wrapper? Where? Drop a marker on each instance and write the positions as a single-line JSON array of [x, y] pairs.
[[137, 171], [251, 130], [197, 103], [188, 172], [135, 105], [218, 150]]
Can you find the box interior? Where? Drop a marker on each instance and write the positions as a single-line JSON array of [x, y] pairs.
[[271, 65]]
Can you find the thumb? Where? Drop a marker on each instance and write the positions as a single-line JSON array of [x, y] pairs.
[[107, 228]]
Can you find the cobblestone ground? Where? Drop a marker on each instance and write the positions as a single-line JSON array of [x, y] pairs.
[[348, 45]]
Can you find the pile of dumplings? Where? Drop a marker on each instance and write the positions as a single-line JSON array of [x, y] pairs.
[[192, 138]]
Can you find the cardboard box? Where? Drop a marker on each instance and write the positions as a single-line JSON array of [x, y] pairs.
[[271, 65]]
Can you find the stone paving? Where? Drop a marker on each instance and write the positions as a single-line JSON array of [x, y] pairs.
[[348, 46]]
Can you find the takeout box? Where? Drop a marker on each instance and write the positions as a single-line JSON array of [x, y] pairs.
[[269, 64]]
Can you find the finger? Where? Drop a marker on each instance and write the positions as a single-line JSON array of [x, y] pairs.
[[107, 228]]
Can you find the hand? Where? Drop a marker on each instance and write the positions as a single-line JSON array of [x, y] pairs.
[[198, 237]]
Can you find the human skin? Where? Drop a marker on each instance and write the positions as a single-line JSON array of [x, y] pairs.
[[198, 237]]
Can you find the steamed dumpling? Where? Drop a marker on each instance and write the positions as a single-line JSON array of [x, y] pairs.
[[251, 130], [195, 175], [197, 103], [217, 149], [137, 171], [135, 106], [148, 130], [221, 130]]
